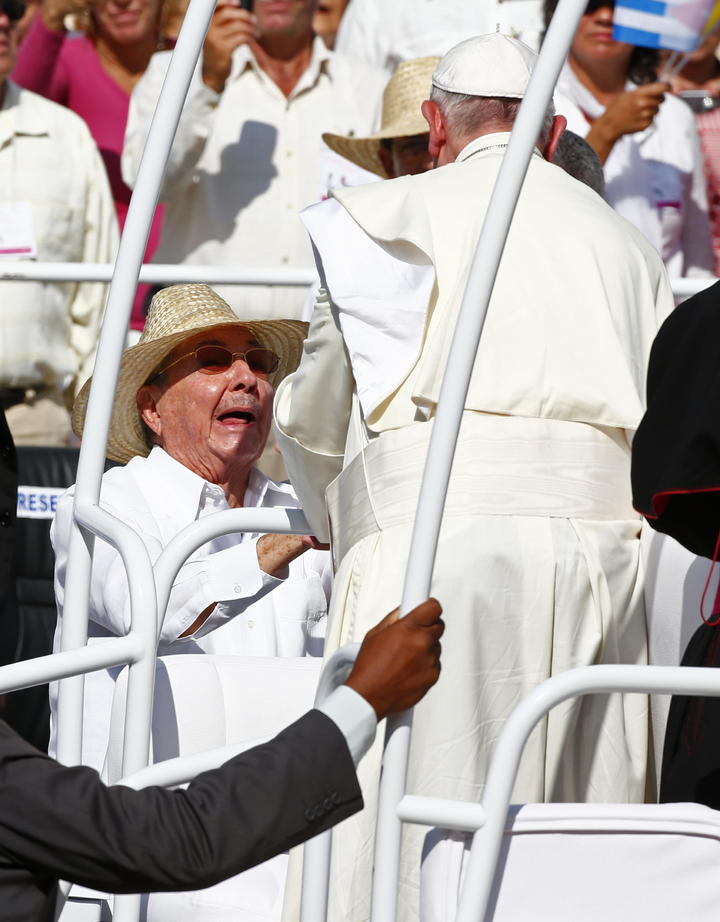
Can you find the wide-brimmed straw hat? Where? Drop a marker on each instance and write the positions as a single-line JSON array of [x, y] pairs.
[[406, 91], [176, 314]]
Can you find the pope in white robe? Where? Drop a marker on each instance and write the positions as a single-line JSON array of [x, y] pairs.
[[538, 567]]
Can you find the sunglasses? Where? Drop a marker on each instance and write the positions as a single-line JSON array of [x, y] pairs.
[[214, 360], [13, 9]]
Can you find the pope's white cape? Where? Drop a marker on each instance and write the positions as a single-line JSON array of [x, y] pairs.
[[382, 299]]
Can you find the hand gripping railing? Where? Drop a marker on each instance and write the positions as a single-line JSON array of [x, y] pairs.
[[441, 450]]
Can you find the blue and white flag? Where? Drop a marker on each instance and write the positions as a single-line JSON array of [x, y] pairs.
[[677, 26]]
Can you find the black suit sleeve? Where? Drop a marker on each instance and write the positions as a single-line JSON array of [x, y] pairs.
[[66, 822]]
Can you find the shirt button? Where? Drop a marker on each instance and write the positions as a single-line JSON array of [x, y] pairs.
[[286, 259], [237, 587], [251, 624]]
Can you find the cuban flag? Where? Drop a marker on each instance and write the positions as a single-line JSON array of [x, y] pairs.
[[677, 26]]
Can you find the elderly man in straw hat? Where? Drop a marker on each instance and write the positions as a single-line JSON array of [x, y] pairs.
[[400, 147], [540, 549], [191, 415]]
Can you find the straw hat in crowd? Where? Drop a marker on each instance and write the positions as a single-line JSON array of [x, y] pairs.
[[175, 315], [406, 91]]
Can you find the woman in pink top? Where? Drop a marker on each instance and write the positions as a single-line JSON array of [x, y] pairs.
[[94, 73]]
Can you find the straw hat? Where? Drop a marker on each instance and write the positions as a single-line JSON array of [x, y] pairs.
[[176, 314], [407, 89]]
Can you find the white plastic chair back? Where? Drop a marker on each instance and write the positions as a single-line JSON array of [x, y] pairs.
[[589, 862], [205, 702], [674, 583]]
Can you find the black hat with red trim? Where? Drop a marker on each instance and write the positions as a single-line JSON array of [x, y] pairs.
[[676, 450]]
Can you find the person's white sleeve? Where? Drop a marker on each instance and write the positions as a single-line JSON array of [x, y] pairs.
[[193, 130], [361, 34], [101, 237], [232, 578], [312, 413], [698, 258], [355, 718]]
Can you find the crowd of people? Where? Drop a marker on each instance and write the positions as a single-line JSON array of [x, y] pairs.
[[363, 140]]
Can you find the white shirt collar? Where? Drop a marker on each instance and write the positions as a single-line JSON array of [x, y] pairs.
[[25, 119], [320, 60], [190, 496], [494, 143]]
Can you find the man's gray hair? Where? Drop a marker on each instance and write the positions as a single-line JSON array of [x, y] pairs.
[[577, 158], [467, 114]]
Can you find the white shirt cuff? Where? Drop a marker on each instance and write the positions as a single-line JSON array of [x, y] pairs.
[[354, 717]]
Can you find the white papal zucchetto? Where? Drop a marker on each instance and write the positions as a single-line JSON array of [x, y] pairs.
[[486, 65]]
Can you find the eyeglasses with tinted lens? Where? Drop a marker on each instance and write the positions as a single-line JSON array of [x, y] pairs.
[[13, 9], [214, 360]]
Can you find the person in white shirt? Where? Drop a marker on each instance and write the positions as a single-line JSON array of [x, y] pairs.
[[248, 155], [191, 415], [645, 138], [382, 33], [55, 206]]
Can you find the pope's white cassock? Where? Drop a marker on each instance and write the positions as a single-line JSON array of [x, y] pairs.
[[538, 567]]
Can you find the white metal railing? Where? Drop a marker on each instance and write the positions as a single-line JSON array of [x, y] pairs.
[[112, 338], [147, 587], [155, 273], [487, 820], [173, 274]]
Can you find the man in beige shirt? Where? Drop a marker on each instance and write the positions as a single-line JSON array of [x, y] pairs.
[[248, 155], [55, 206], [539, 549]]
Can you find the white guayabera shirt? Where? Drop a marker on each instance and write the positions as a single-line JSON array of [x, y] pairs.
[[256, 614], [52, 178], [245, 162]]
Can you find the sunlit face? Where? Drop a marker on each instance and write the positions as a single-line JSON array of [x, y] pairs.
[[593, 41], [406, 156], [327, 18], [8, 46], [126, 21], [214, 424], [284, 17]]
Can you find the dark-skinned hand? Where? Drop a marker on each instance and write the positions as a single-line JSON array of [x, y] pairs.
[[399, 659]]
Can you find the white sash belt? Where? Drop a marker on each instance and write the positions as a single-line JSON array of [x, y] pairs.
[[504, 465]]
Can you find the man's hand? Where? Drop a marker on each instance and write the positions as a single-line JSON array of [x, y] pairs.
[[628, 113], [53, 12], [274, 552], [229, 28], [399, 659]]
